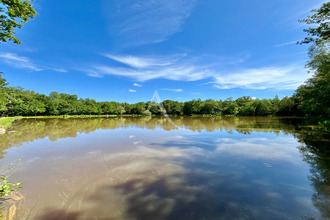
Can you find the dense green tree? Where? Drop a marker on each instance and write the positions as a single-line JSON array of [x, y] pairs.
[[139, 108], [3, 81], [127, 107], [173, 107], [276, 104], [168, 106], [3, 98], [146, 113], [17, 101], [243, 100], [210, 107], [314, 94], [247, 109], [13, 14], [320, 30], [263, 107], [154, 108], [229, 107], [36, 107], [121, 110], [192, 107], [110, 107]]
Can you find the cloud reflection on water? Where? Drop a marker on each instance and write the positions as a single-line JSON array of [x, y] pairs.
[[134, 173]]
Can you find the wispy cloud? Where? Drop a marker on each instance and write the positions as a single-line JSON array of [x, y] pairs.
[[149, 21], [60, 70], [285, 44], [281, 78], [143, 62], [173, 90], [177, 72], [132, 90], [137, 85], [173, 67], [220, 76], [281, 148], [20, 62]]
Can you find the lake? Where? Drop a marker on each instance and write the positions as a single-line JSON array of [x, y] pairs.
[[152, 168]]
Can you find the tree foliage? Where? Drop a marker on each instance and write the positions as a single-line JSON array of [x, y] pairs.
[[314, 94], [15, 101], [320, 32], [3, 81], [13, 14]]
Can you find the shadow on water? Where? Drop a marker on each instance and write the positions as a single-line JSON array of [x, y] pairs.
[[54, 214]]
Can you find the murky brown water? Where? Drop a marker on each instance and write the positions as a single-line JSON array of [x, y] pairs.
[[146, 168]]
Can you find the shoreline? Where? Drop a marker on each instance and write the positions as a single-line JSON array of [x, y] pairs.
[[6, 121]]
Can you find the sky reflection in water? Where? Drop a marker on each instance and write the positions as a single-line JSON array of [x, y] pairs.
[[144, 168]]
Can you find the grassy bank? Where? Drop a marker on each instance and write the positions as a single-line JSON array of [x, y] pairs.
[[6, 121], [82, 116], [71, 116]]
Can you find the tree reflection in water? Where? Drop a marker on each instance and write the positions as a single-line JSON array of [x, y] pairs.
[[149, 198], [315, 150]]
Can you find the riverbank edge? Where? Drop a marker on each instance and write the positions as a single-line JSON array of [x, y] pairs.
[[7, 121]]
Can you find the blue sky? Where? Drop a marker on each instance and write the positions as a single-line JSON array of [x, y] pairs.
[[124, 50]]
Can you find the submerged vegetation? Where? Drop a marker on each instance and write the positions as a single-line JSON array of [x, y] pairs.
[[6, 188]]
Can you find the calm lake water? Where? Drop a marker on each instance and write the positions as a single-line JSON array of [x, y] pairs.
[[147, 168]]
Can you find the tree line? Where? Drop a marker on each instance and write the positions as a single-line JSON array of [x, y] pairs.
[[15, 101]]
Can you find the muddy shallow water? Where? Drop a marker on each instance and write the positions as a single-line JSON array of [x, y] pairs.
[[147, 168]]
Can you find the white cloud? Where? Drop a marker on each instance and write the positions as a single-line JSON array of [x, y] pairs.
[[149, 21], [281, 78], [60, 70], [142, 62], [137, 85], [132, 90], [221, 73], [285, 44], [173, 90], [173, 72], [20, 62], [281, 148]]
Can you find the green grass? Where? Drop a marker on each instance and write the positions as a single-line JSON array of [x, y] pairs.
[[6, 121], [76, 116]]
